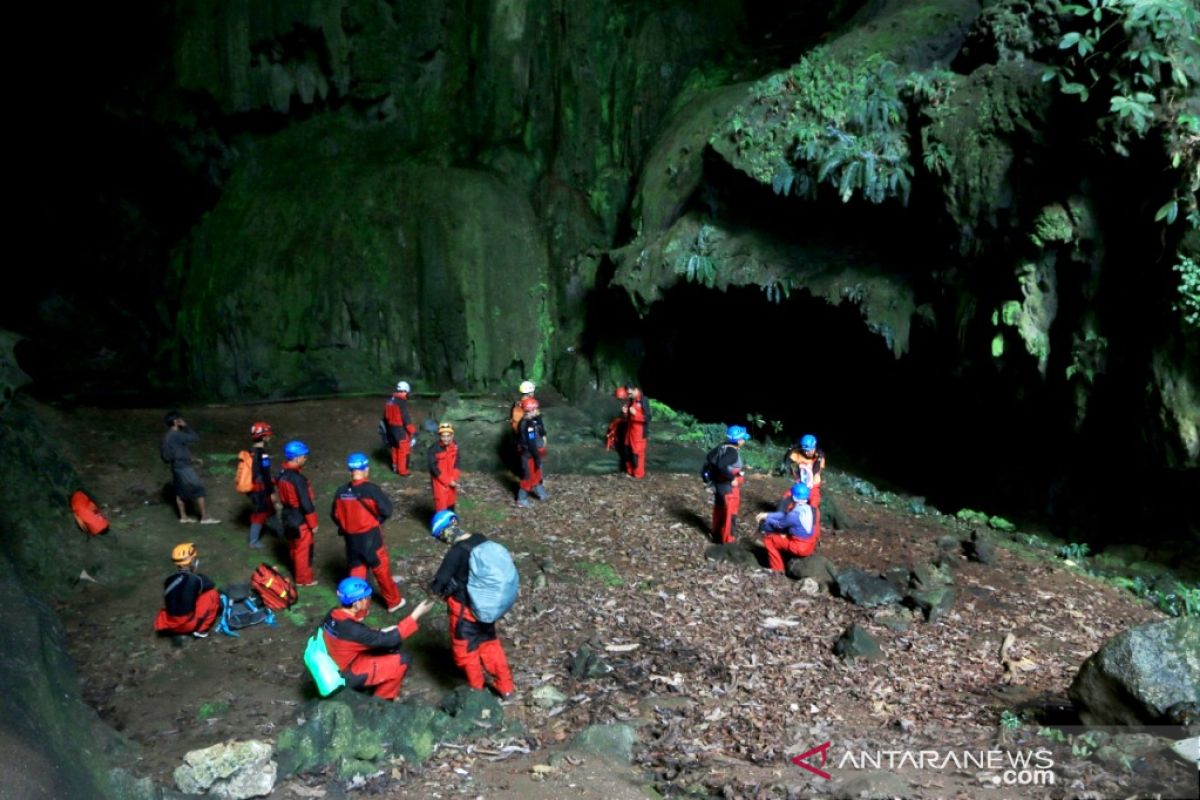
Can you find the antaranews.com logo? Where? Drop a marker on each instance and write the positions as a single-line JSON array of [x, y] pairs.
[[1012, 767]]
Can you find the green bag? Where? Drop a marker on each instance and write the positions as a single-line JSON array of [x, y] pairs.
[[323, 668]]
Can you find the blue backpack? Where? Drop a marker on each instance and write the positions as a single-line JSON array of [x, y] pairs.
[[492, 581], [238, 610]]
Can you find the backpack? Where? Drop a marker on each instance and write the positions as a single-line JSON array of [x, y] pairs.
[[277, 591], [492, 581], [87, 515], [710, 472], [243, 479], [321, 666], [238, 610]]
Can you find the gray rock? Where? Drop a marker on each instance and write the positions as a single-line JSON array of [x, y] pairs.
[[930, 576], [1188, 750], [819, 568], [933, 603], [588, 664], [898, 577], [610, 741], [857, 643], [1119, 749], [948, 544], [893, 623], [810, 587], [916, 505], [740, 552], [1144, 675], [873, 786], [866, 590], [230, 770], [982, 551], [548, 696]]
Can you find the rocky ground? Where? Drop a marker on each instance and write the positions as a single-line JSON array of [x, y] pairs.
[[720, 670]]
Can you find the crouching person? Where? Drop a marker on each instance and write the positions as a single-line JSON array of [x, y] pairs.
[[790, 530], [191, 603], [369, 658], [475, 645]]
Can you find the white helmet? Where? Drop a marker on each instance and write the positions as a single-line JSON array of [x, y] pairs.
[[403, 386], [526, 387]]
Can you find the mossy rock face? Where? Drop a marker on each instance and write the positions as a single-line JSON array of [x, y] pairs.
[[331, 273]]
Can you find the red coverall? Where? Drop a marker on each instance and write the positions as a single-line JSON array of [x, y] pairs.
[[299, 519], [786, 532], [443, 470], [635, 438], [191, 604], [351, 644], [400, 430], [358, 509]]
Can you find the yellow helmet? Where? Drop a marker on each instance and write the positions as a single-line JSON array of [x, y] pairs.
[[184, 554], [445, 427]]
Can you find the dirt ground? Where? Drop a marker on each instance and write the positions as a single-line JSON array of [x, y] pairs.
[[725, 671]]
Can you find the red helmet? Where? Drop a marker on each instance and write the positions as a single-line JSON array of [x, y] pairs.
[[261, 430], [622, 393], [529, 404]]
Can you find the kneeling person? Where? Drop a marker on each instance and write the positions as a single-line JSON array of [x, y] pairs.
[[369, 658], [191, 603], [790, 531]]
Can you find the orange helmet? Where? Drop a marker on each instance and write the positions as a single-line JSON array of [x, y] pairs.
[[622, 393], [445, 427], [261, 430], [530, 404], [184, 554]]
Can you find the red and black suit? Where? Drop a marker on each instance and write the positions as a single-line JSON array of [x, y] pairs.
[[299, 518], [368, 658], [531, 447], [637, 431], [262, 486], [443, 471], [400, 429], [475, 645], [727, 493], [359, 507], [191, 604]]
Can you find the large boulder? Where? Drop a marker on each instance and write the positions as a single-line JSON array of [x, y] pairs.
[[229, 770], [1144, 676]]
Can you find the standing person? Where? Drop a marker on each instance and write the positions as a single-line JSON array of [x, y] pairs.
[[517, 413], [191, 603], [359, 508], [614, 438], [475, 645], [443, 469], [531, 447], [805, 463], [400, 427], [299, 515], [728, 475], [368, 658], [637, 428], [263, 498], [176, 451], [789, 531]]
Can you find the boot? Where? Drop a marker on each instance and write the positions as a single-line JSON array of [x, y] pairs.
[[256, 535], [540, 492], [522, 498]]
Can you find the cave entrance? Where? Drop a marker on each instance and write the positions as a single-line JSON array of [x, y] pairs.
[[913, 424]]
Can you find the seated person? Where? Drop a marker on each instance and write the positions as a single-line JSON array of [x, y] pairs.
[[790, 531], [191, 603], [369, 658]]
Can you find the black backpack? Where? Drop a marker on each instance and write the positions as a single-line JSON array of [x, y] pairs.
[[238, 610], [710, 472]]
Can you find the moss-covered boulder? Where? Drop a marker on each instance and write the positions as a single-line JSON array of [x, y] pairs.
[[1142, 676]]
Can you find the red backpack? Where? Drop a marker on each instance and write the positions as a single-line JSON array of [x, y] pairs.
[[87, 514], [277, 591]]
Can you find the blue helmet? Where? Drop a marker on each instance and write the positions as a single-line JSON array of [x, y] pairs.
[[799, 491], [808, 442], [441, 521], [357, 461], [351, 590], [294, 449], [737, 433]]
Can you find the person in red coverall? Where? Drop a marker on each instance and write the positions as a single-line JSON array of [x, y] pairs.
[[637, 420], [443, 469], [789, 531], [401, 428], [368, 658], [359, 508], [299, 515], [191, 603], [475, 645], [728, 476], [262, 491], [614, 438]]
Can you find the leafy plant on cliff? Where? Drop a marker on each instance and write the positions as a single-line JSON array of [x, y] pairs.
[[824, 121], [1143, 57], [1189, 291], [696, 263]]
